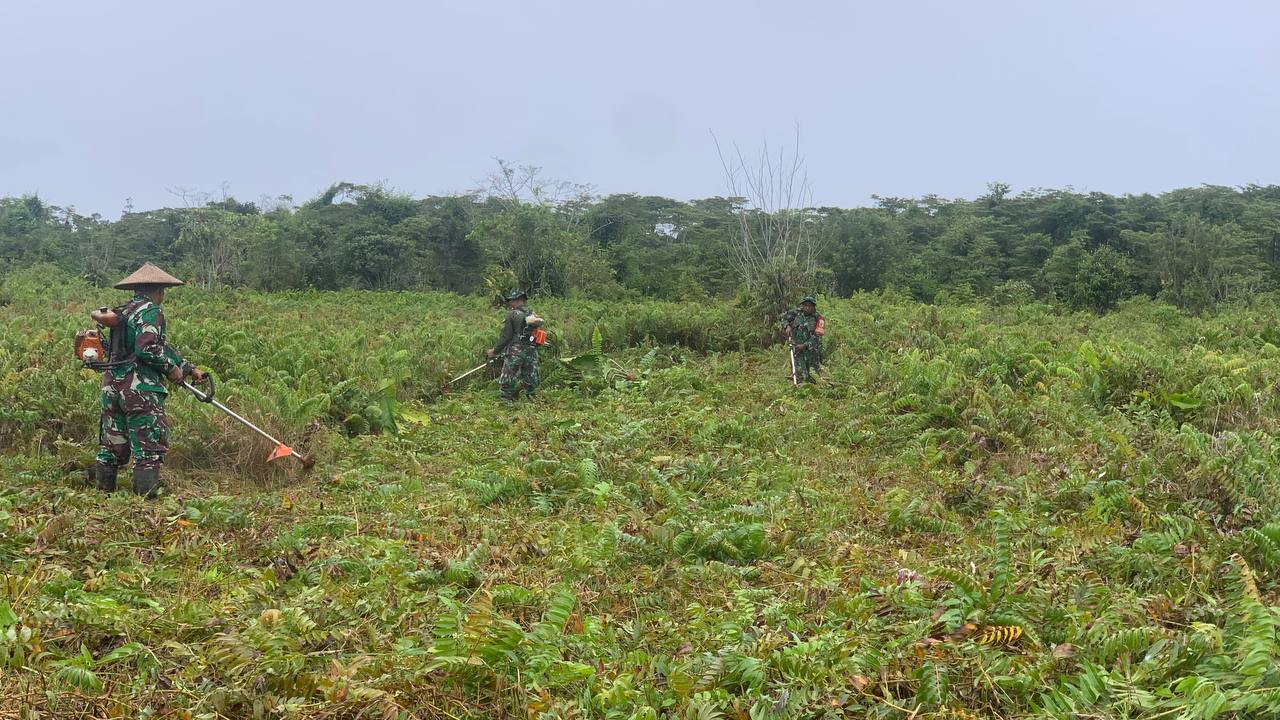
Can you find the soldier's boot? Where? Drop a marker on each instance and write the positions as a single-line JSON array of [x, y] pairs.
[[146, 482], [104, 476]]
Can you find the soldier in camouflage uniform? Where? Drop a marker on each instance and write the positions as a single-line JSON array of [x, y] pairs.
[[133, 394], [520, 352], [804, 328]]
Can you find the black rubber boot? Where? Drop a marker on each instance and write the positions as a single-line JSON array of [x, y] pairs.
[[146, 482], [104, 476]]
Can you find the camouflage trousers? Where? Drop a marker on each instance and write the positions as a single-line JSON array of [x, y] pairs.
[[808, 362], [132, 422], [519, 366]]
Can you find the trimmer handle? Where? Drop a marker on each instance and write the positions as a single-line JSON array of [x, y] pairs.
[[201, 395]]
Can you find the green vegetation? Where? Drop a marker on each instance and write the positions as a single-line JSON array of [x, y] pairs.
[[1195, 247], [988, 510]]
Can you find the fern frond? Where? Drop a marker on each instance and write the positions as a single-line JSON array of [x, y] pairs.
[[1002, 571], [931, 687], [999, 634], [559, 609], [588, 472], [963, 581], [709, 678], [80, 678]]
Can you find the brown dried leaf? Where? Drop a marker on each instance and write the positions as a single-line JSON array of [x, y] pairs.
[[53, 530]]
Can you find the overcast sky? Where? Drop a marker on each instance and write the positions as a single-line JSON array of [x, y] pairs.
[[105, 101]]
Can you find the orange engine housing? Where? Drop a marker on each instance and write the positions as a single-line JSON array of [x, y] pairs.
[[105, 317], [90, 340]]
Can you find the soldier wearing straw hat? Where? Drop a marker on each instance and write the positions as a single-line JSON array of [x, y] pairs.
[[133, 421]]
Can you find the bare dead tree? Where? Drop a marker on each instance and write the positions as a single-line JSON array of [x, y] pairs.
[[270, 204], [510, 184], [99, 253], [513, 185], [190, 198], [774, 250], [198, 198]]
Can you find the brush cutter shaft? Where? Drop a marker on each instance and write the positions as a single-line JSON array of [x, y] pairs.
[[470, 372], [202, 397], [794, 380]]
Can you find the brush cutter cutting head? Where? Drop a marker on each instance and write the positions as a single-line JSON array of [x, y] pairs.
[[284, 451], [281, 451]]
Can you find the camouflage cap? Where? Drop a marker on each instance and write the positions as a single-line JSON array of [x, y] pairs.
[[516, 295], [809, 299]]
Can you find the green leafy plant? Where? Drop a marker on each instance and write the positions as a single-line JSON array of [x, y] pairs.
[[986, 512]]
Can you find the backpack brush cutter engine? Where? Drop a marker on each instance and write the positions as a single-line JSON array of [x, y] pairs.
[[92, 352]]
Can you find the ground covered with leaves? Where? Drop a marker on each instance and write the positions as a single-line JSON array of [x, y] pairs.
[[980, 513]]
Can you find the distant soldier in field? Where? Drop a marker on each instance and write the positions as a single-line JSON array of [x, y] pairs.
[[519, 341], [804, 327], [133, 393]]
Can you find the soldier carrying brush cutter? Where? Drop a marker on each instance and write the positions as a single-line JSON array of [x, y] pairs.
[[133, 420], [522, 335], [804, 328]]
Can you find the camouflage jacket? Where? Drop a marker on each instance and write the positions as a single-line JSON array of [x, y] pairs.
[[515, 329], [142, 322], [803, 328]]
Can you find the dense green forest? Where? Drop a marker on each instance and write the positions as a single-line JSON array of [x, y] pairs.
[[1193, 247]]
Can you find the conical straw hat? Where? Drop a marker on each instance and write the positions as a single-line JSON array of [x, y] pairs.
[[148, 274]]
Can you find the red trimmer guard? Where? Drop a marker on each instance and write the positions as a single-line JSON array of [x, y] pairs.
[[281, 451]]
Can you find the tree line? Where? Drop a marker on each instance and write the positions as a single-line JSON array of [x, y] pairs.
[[1193, 247]]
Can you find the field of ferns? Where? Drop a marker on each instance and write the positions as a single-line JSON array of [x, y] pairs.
[[980, 512]]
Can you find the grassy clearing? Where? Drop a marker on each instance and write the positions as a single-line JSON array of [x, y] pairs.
[[983, 513]]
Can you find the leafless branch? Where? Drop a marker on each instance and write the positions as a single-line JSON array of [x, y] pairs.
[[772, 237], [514, 185]]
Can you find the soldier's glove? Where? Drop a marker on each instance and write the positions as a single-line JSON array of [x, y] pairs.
[[802, 347], [198, 375], [175, 373], [490, 354]]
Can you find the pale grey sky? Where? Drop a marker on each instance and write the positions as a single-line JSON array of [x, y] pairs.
[[107, 101]]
